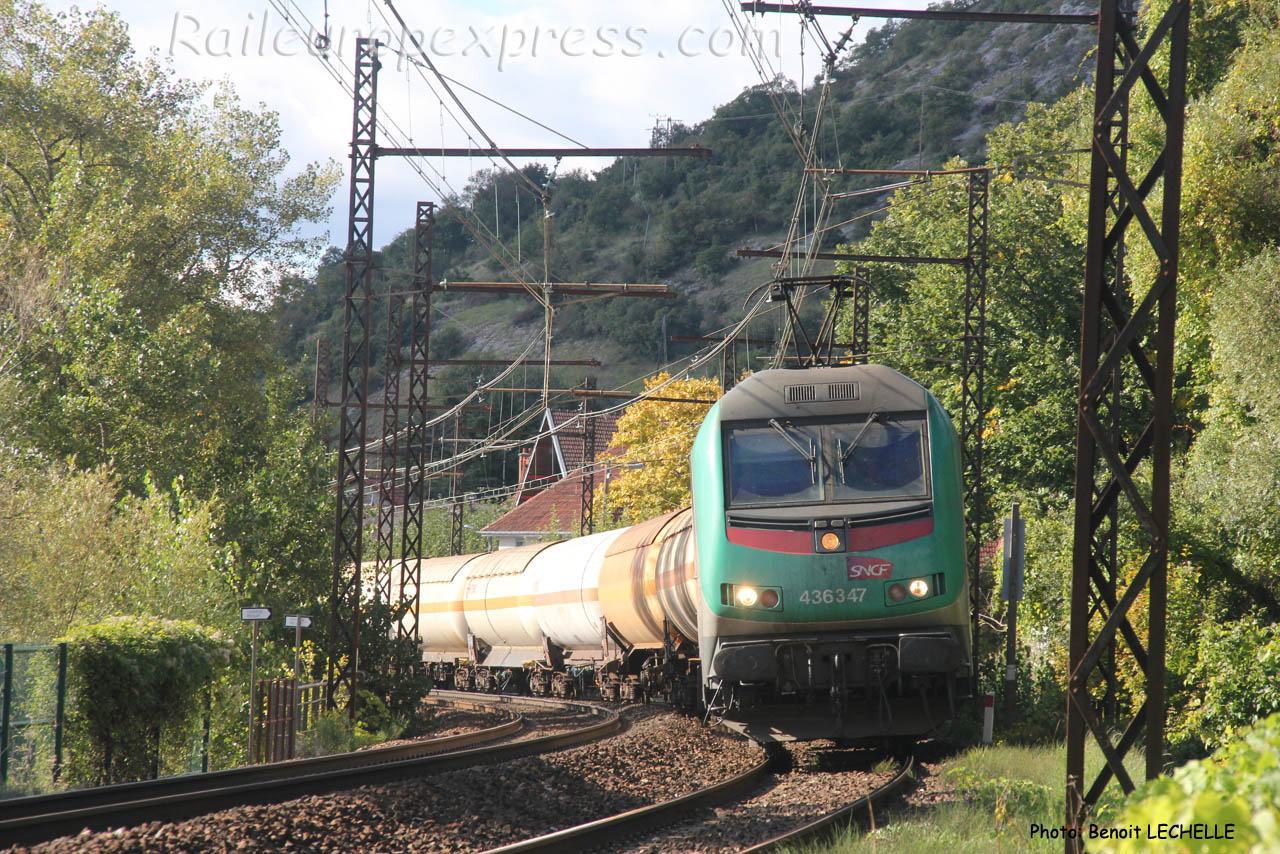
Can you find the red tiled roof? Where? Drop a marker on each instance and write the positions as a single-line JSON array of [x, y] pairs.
[[991, 553], [572, 443], [559, 504], [569, 436]]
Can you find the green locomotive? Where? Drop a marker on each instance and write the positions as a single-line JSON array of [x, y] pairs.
[[828, 521]]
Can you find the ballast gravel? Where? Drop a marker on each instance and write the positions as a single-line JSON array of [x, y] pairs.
[[660, 755], [822, 778]]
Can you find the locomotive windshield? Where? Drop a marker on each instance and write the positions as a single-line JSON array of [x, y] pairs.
[[773, 464], [880, 457]]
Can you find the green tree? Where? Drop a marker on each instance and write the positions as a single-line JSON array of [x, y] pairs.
[[160, 214], [1234, 481], [149, 222], [74, 549], [655, 438]]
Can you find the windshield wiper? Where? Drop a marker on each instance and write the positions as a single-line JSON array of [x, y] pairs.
[[844, 454], [811, 454]]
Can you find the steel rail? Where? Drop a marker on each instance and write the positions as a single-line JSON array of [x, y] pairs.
[[102, 796], [40, 818], [594, 833], [823, 824]]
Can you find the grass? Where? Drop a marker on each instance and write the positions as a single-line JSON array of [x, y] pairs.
[[998, 793]]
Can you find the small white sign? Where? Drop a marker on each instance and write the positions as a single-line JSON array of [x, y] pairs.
[[293, 621], [255, 614]]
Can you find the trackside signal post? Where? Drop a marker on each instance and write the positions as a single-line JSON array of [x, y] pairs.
[[297, 622], [1015, 540], [254, 616]]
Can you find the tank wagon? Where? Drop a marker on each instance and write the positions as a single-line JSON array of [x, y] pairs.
[[610, 612], [816, 588]]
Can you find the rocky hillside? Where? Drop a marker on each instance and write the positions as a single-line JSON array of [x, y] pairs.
[[915, 93]]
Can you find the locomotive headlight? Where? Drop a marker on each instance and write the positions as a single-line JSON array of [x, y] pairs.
[[897, 592], [919, 588], [747, 597], [831, 541]]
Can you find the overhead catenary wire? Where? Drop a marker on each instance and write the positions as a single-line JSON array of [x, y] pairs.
[[517, 421], [394, 131], [503, 440], [702, 357], [476, 229], [768, 75], [426, 58]]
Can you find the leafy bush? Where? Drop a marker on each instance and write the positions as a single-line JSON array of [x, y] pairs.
[[393, 680], [135, 681], [334, 733], [1239, 785], [1237, 674], [1040, 700]]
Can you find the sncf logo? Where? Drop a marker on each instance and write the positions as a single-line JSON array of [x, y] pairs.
[[869, 567]]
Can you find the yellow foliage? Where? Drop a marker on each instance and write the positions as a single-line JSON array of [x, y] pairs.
[[652, 475]]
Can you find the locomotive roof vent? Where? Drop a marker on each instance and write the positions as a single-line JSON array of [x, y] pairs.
[[844, 391], [802, 393], [823, 392]]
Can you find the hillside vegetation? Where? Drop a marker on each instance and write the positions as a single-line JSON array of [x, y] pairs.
[[915, 93]]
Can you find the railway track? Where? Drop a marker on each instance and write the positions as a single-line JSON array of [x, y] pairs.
[[852, 811], [602, 831], [598, 834], [35, 819]]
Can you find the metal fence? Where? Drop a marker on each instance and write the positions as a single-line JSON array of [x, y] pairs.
[[33, 701], [281, 704]]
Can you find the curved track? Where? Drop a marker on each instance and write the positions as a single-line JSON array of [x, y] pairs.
[[602, 831], [35, 819], [606, 830], [824, 824]]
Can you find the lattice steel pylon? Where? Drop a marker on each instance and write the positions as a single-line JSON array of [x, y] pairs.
[[348, 542], [455, 506], [1112, 336], [320, 394], [973, 411], [389, 457], [416, 439], [587, 514], [861, 326]]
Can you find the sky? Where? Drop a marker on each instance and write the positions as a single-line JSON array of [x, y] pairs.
[[600, 73]]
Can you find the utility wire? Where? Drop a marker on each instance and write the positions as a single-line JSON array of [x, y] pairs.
[[444, 84]]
